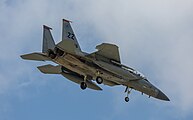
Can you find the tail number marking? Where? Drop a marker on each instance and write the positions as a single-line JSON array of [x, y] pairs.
[[70, 35]]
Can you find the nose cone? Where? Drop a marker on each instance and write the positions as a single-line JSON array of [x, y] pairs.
[[162, 96]]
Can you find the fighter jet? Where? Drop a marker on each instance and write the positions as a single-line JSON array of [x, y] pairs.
[[86, 69]]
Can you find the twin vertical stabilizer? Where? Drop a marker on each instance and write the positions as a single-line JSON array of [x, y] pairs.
[[68, 34], [48, 41], [69, 42]]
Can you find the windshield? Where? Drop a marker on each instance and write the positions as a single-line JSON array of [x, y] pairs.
[[133, 71]]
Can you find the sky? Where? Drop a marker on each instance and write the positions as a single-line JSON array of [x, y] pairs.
[[154, 36]]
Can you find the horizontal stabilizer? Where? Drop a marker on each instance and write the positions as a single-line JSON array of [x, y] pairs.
[[50, 69], [78, 80], [35, 56]]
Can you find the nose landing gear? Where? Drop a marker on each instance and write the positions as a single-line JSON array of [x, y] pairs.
[[126, 99], [128, 92]]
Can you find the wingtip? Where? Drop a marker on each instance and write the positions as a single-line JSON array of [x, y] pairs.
[[46, 27], [21, 56]]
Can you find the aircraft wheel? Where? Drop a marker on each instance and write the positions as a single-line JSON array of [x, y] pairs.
[[99, 80], [83, 85], [126, 99]]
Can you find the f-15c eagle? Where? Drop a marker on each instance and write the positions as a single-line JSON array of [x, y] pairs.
[[103, 66]]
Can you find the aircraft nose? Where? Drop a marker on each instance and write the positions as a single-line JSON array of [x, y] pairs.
[[162, 96]]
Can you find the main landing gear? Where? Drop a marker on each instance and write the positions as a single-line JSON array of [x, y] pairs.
[[128, 92], [99, 80], [83, 84]]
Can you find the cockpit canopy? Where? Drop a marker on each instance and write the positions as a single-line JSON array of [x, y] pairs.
[[133, 71]]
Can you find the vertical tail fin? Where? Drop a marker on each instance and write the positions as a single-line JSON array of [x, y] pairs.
[[68, 34], [48, 41]]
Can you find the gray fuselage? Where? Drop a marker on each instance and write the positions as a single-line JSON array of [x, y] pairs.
[[112, 74]]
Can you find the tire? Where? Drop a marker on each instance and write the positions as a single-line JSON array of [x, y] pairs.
[[126, 99], [99, 80], [83, 85]]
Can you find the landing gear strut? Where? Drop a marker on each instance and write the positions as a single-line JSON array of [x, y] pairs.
[[83, 84], [128, 92]]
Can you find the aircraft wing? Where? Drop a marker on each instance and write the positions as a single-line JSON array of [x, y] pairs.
[[35, 56], [50, 69], [107, 51]]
